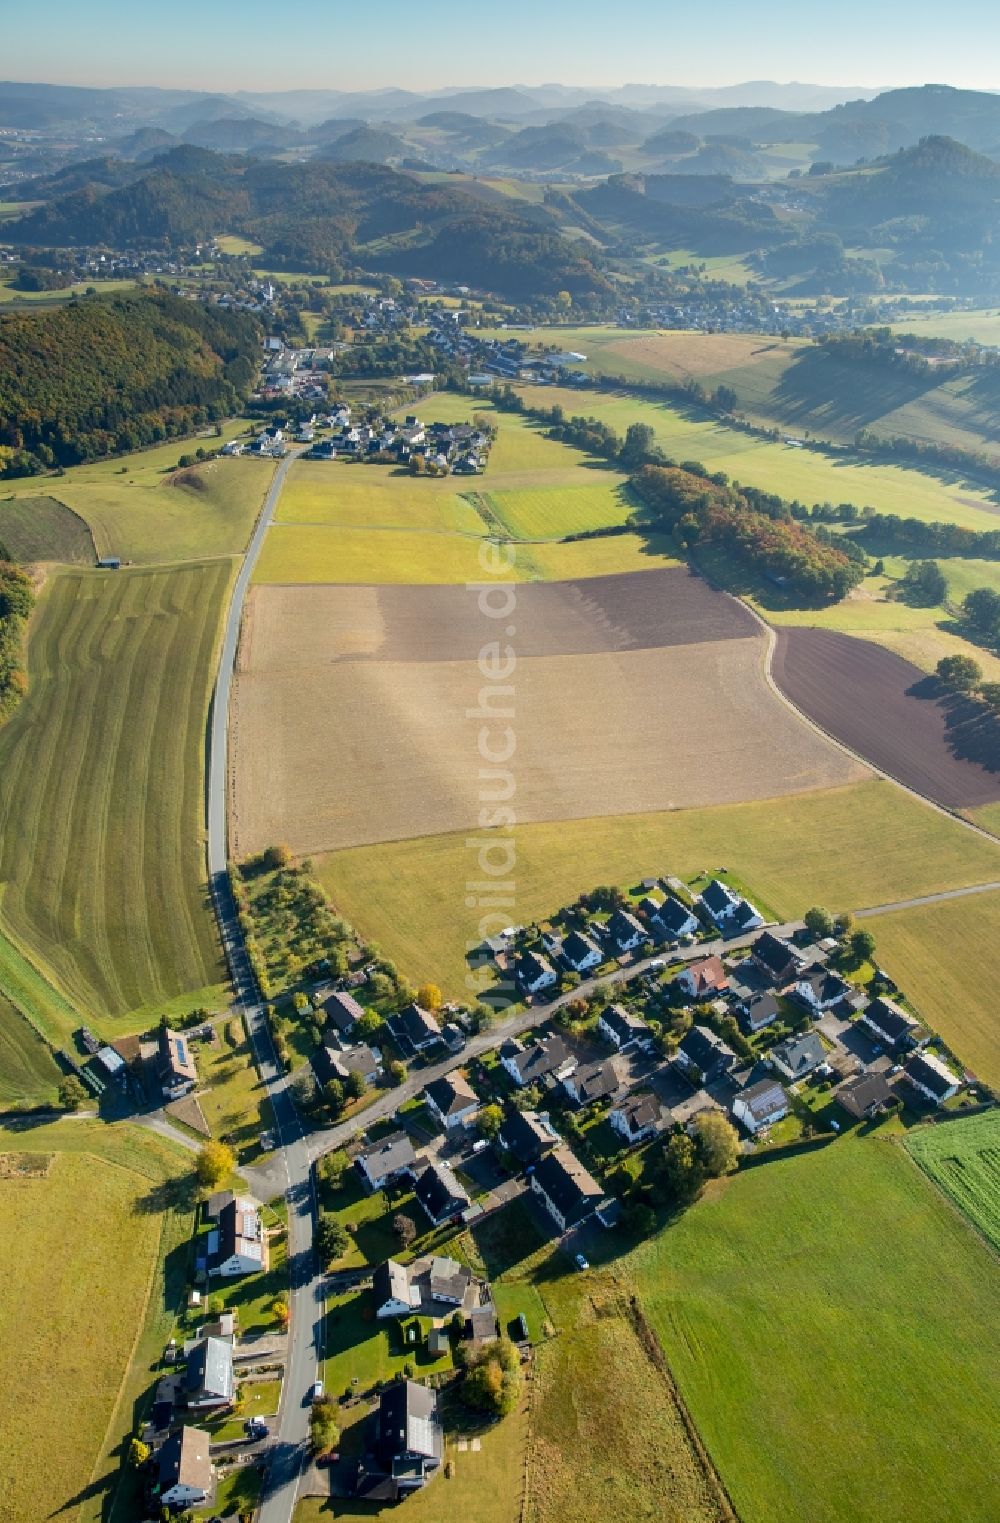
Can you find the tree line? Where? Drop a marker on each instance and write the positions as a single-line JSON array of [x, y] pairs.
[[16, 600]]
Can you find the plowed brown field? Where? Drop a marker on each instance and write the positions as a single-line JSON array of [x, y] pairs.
[[893, 714], [358, 711]]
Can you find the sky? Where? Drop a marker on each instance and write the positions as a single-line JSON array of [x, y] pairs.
[[327, 44]]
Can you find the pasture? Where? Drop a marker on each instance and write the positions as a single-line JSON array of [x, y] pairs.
[[43, 529], [806, 475], [802, 1305], [947, 958], [28, 1072], [596, 662], [101, 788], [80, 1313], [410, 896], [963, 1159], [142, 508]]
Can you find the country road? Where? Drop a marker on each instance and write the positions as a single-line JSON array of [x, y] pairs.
[[288, 1452]]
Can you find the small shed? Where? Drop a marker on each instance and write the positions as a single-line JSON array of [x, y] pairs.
[[109, 563], [438, 1342]]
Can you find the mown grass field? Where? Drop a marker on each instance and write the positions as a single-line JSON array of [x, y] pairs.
[[979, 323], [80, 1324], [375, 496], [552, 512], [142, 508], [947, 958], [28, 1073], [793, 473], [823, 1316], [963, 1159], [43, 529], [102, 871], [847, 847], [231, 243], [10, 296]]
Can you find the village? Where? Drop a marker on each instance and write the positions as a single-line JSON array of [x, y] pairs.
[[641, 1034]]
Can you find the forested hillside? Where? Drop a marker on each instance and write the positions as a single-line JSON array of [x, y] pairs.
[[98, 378]]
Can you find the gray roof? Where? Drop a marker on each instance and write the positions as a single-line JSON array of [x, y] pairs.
[[416, 1023], [765, 1099], [624, 1023], [210, 1369], [889, 1018], [389, 1156], [570, 1187], [184, 1459], [704, 1049], [342, 1010], [640, 1110], [452, 1094], [538, 1060], [439, 1192], [800, 1054], [408, 1423], [595, 1081], [528, 1134]]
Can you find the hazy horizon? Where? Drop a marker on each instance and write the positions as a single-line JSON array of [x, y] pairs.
[[320, 46]]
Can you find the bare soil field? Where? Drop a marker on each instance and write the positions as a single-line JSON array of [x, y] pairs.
[[362, 725], [630, 611], [893, 714]]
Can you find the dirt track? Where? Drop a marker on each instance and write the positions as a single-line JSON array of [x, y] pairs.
[[892, 713]]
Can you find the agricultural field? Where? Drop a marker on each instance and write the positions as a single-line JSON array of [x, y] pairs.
[[981, 324], [231, 243], [963, 1159], [941, 744], [101, 791], [410, 896], [14, 298], [801, 1306], [28, 1073], [642, 649], [92, 1320], [318, 492], [947, 958], [806, 475], [553, 512], [43, 529], [142, 508]]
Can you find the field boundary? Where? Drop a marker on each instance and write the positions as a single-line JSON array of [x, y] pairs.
[[86, 525]]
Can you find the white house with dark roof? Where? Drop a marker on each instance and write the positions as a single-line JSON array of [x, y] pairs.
[[761, 1105], [700, 1053], [595, 1081], [636, 1117], [622, 1028], [546, 1061], [528, 1134], [184, 1468], [888, 1022], [819, 989], [718, 901], [342, 1011], [932, 1078], [390, 1159], [441, 1194], [758, 1011], [797, 1056], [452, 1101], [415, 1028], [535, 973], [567, 1190], [581, 952], [626, 931], [674, 920]]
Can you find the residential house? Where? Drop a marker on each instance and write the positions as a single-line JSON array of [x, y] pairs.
[[776, 959], [433, 1286], [703, 979], [626, 931], [390, 1159], [674, 920], [208, 1380], [934, 1080], [528, 1134], [718, 901], [745, 917], [481, 1325], [534, 972], [342, 1011], [888, 1022], [184, 1468], [865, 1096], [797, 1056], [758, 1011], [440, 1193], [240, 1240], [175, 1064], [636, 1117], [703, 1056], [595, 1081], [542, 1062], [331, 1061], [567, 1190], [581, 952], [415, 1028], [407, 1443], [819, 989], [395, 1289], [622, 1028], [760, 1105], [452, 1100]]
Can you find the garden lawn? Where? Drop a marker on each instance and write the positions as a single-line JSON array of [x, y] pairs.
[[81, 1326], [851, 847], [102, 860], [28, 1072], [947, 959], [142, 508], [824, 1317], [963, 1159]]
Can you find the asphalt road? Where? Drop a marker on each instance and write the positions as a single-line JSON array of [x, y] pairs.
[[288, 1451]]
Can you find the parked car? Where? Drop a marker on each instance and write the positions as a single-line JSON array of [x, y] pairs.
[[318, 1390]]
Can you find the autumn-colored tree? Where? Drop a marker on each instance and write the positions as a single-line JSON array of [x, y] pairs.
[[214, 1164]]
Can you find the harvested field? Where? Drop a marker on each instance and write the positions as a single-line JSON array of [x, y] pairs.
[[892, 714], [44, 529], [28, 1072], [963, 1159], [376, 738]]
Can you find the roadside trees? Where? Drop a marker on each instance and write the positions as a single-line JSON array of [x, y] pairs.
[[214, 1164]]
